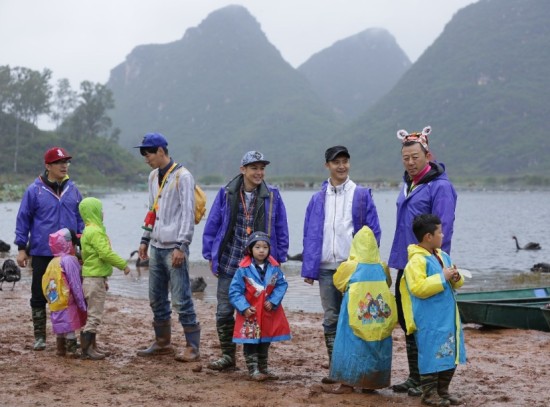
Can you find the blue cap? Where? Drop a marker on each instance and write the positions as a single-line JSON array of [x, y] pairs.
[[153, 140], [252, 157]]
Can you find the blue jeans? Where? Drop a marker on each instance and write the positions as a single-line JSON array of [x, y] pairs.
[[224, 312], [331, 300], [163, 277]]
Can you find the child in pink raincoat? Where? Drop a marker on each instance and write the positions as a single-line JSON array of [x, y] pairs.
[[62, 286]]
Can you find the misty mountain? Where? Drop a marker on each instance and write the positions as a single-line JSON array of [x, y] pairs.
[[354, 73], [483, 86], [218, 92]]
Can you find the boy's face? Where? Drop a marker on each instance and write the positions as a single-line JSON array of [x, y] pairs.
[[436, 240], [260, 251], [253, 175], [338, 169]]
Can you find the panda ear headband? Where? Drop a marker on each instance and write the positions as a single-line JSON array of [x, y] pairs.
[[421, 138]]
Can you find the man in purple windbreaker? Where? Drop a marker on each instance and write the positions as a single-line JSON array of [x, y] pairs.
[[425, 190], [245, 205], [333, 216]]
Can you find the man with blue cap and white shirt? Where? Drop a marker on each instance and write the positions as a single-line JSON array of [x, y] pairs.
[[169, 227], [245, 205]]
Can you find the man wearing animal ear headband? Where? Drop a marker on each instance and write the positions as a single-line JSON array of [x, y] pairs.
[[426, 189]]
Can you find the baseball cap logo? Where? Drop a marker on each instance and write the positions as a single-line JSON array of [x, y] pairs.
[[60, 153]]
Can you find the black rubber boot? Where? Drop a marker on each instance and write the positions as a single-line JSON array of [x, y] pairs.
[[88, 352], [161, 345], [191, 352], [72, 348], [227, 361], [251, 359], [39, 325], [263, 352], [412, 384], [329, 343], [443, 382], [430, 397]]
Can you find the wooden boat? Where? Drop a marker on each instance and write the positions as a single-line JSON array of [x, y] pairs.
[[546, 315], [518, 308], [536, 292]]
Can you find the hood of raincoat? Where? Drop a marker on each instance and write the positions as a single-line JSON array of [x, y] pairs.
[[364, 248], [91, 211], [61, 242]]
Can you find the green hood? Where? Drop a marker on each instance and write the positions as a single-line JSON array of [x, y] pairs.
[[91, 210]]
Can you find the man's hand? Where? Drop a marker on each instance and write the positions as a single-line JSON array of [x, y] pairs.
[[268, 306], [142, 251], [127, 271], [178, 257], [308, 281], [22, 258]]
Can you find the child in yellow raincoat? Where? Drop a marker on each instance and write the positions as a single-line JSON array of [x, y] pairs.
[[363, 346]]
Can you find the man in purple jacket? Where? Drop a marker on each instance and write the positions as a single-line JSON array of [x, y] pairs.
[[245, 205], [333, 216], [50, 203], [426, 190]]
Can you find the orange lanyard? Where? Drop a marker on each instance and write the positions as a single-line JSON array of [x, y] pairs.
[[247, 213]]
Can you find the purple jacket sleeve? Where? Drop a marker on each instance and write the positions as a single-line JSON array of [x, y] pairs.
[[213, 224], [71, 268], [281, 231], [444, 205]]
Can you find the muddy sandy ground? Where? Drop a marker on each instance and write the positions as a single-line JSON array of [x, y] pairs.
[[505, 367]]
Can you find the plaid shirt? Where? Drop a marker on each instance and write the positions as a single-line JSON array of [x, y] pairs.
[[234, 251]]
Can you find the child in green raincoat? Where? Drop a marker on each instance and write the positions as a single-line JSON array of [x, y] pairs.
[[362, 352], [98, 262]]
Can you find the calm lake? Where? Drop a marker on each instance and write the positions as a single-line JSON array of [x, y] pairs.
[[482, 242]]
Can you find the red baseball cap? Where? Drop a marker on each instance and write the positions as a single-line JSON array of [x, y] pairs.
[[56, 154]]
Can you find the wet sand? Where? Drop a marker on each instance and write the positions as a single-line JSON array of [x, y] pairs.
[[504, 368]]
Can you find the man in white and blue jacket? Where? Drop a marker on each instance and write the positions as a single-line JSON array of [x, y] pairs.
[[245, 205], [334, 214]]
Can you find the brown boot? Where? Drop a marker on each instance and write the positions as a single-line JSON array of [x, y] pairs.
[[191, 352], [161, 345], [61, 346], [86, 339]]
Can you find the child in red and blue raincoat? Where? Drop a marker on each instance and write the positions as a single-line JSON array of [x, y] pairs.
[[256, 292]]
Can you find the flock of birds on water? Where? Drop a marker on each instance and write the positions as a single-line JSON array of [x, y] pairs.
[[11, 273]]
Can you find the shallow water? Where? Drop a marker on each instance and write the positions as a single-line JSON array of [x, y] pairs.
[[482, 242]]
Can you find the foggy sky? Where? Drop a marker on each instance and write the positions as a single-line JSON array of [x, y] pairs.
[[83, 40]]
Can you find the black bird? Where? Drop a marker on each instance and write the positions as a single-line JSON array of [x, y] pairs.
[[198, 284], [10, 273], [541, 268], [528, 246], [4, 247], [139, 262]]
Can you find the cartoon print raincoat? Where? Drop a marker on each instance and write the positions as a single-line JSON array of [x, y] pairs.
[[71, 316], [363, 346], [430, 310], [247, 289]]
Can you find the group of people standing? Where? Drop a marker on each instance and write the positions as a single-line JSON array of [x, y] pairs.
[[246, 239]]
